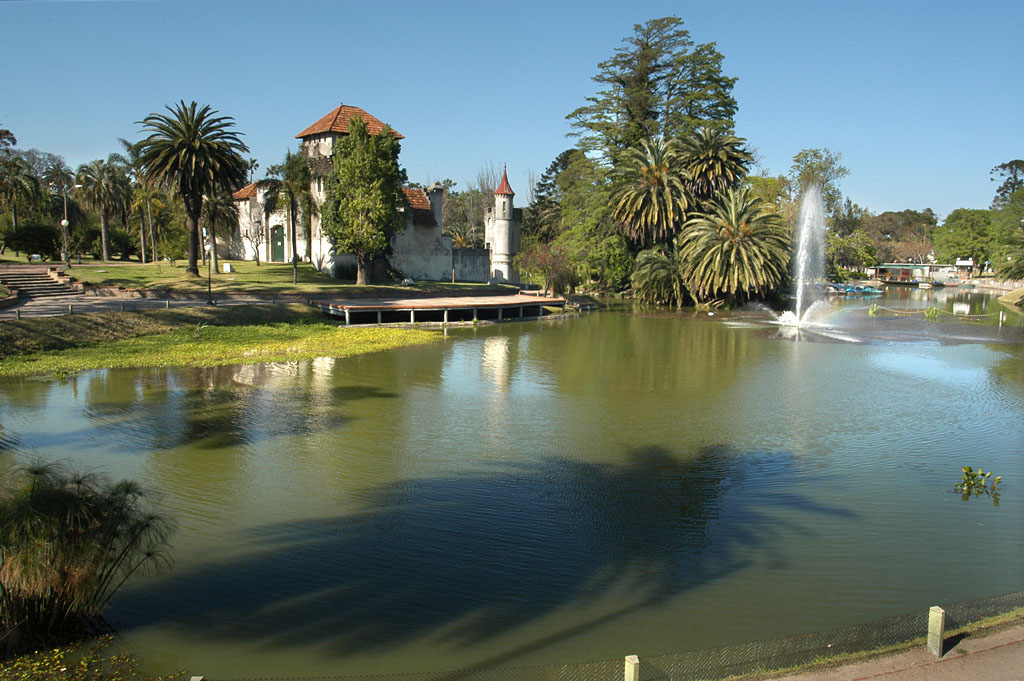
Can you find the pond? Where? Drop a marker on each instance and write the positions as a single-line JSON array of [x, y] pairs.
[[632, 481]]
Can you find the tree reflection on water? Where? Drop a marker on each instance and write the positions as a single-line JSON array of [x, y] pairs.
[[478, 555]]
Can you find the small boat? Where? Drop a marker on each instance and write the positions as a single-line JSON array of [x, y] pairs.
[[841, 289], [925, 284]]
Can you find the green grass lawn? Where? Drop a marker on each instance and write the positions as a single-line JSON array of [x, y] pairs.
[[197, 336], [8, 256], [249, 278]]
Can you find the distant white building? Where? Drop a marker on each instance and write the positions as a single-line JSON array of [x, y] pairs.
[[420, 251]]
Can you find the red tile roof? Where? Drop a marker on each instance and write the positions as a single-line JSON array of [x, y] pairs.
[[417, 198], [420, 206], [338, 120], [246, 192], [504, 187]]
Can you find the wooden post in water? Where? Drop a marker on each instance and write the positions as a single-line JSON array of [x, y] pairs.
[[632, 672], [936, 629]]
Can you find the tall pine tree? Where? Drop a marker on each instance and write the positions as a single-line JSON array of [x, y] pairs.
[[657, 83]]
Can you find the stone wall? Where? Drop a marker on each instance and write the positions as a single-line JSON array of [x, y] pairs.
[[422, 253], [472, 264]]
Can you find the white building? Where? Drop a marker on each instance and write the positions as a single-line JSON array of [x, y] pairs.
[[420, 251]]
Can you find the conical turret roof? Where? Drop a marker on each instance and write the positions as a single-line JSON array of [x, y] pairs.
[[504, 188]]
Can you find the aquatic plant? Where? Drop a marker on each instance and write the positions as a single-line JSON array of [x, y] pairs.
[[68, 542], [93, 661], [974, 483]]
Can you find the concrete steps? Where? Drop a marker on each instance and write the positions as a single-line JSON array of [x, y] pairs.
[[35, 285]]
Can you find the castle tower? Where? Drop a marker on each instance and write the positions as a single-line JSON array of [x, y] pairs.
[[501, 232]]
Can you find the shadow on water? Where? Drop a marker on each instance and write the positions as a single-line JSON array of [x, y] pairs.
[[469, 557]]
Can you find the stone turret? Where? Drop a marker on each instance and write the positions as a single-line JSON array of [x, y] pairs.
[[501, 232]]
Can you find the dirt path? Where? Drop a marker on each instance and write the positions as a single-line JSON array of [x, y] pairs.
[[995, 657]]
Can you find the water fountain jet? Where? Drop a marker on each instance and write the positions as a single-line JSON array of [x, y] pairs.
[[809, 256]]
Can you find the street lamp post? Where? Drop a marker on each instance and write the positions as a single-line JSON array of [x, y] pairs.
[[209, 278], [64, 225], [65, 235]]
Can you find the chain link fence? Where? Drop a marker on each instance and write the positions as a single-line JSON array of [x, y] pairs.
[[745, 659]]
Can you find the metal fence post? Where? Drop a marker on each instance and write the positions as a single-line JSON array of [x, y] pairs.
[[936, 629], [632, 671]]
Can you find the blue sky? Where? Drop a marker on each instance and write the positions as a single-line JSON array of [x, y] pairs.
[[921, 99]]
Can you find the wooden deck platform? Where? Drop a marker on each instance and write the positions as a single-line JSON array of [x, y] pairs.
[[440, 309]]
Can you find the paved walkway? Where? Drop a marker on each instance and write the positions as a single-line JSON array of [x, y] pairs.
[[996, 657], [58, 305]]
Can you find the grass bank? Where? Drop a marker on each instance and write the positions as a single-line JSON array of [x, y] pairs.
[[248, 278], [197, 336], [4, 291], [1014, 300]]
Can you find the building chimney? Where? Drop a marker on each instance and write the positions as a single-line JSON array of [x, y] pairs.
[[435, 193]]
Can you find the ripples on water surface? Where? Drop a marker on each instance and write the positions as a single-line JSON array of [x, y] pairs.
[[534, 493]]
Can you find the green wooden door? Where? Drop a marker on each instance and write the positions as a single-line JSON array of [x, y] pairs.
[[277, 244]]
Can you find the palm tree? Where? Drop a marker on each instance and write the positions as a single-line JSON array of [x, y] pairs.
[[199, 153], [219, 209], [142, 192], [102, 185], [651, 200], [17, 182], [1013, 266], [715, 161], [659, 276], [291, 184], [734, 248]]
